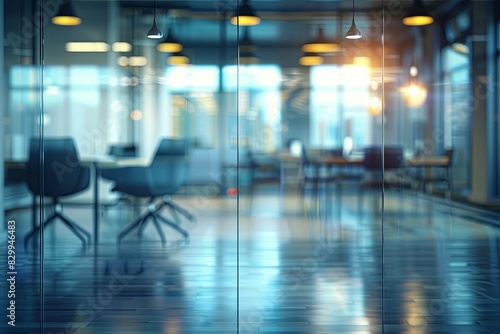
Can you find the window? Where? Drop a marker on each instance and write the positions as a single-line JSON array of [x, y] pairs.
[[456, 117], [339, 106]]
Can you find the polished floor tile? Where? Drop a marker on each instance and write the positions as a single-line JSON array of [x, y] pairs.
[[389, 262]]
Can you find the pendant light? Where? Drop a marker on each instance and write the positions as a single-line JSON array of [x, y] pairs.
[[353, 32], [154, 32], [311, 59], [418, 15], [178, 58], [170, 43], [247, 50], [245, 15], [247, 58], [320, 44], [66, 15], [245, 44]]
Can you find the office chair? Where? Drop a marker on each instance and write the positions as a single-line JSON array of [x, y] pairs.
[[377, 162], [393, 160], [314, 174], [62, 176], [440, 174], [157, 182], [122, 151], [119, 151]]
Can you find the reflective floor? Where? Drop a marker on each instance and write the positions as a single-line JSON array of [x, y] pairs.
[[342, 264]]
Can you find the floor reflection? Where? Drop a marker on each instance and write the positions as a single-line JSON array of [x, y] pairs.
[[388, 262]]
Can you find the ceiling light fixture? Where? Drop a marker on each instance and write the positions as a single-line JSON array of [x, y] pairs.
[[66, 15], [418, 15], [86, 47], [154, 32], [178, 58], [353, 32], [311, 59], [245, 15], [170, 43], [246, 44], [121, 47], [321, 44], [247, 58]]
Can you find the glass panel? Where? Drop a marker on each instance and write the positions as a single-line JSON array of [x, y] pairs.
[[230, 188], [20, 95], [456, 115], [118, 101]]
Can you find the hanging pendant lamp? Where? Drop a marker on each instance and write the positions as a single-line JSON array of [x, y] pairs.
[[66, 15], [311, 59], [353, 32], [320, 44], [245, 15], [247, 58], [154, 32], [418, 15], [178, 58], [246, 50], [170, 43], [246, 44]]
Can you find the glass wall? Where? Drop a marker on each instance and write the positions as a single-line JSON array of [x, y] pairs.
[[256, 260], [456, 113]]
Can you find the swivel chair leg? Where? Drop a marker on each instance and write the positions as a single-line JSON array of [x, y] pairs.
[[153, 213], [182, 211], [142, 226], [173, 225], [175, 214], [75, 228], [133, 225], [37, 229], [158, 228]]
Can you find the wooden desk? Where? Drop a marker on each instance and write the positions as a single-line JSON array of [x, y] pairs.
[[323, 160], [432, 161], [337, 161], [427, 164], [288, 161]]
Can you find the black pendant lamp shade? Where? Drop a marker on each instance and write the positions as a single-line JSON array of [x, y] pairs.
[[66, 15], [353, 32], [246, 45], [321, 44], [418, 15], [170, 43], [311, 59], [245, 15], [178, 58], [154, 32]]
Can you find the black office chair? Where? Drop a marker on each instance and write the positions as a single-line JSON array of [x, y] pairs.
[[393, 161], [379, 165], [119, 151], [439, 174], [157, 182], [313, 174], [122, 151], [62, 176]]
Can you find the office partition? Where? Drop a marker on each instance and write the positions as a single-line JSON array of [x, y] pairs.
[[361, 248]]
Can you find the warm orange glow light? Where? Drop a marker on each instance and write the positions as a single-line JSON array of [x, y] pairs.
[[418, 20], [415, 95], [374, 106], [136, 115]]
